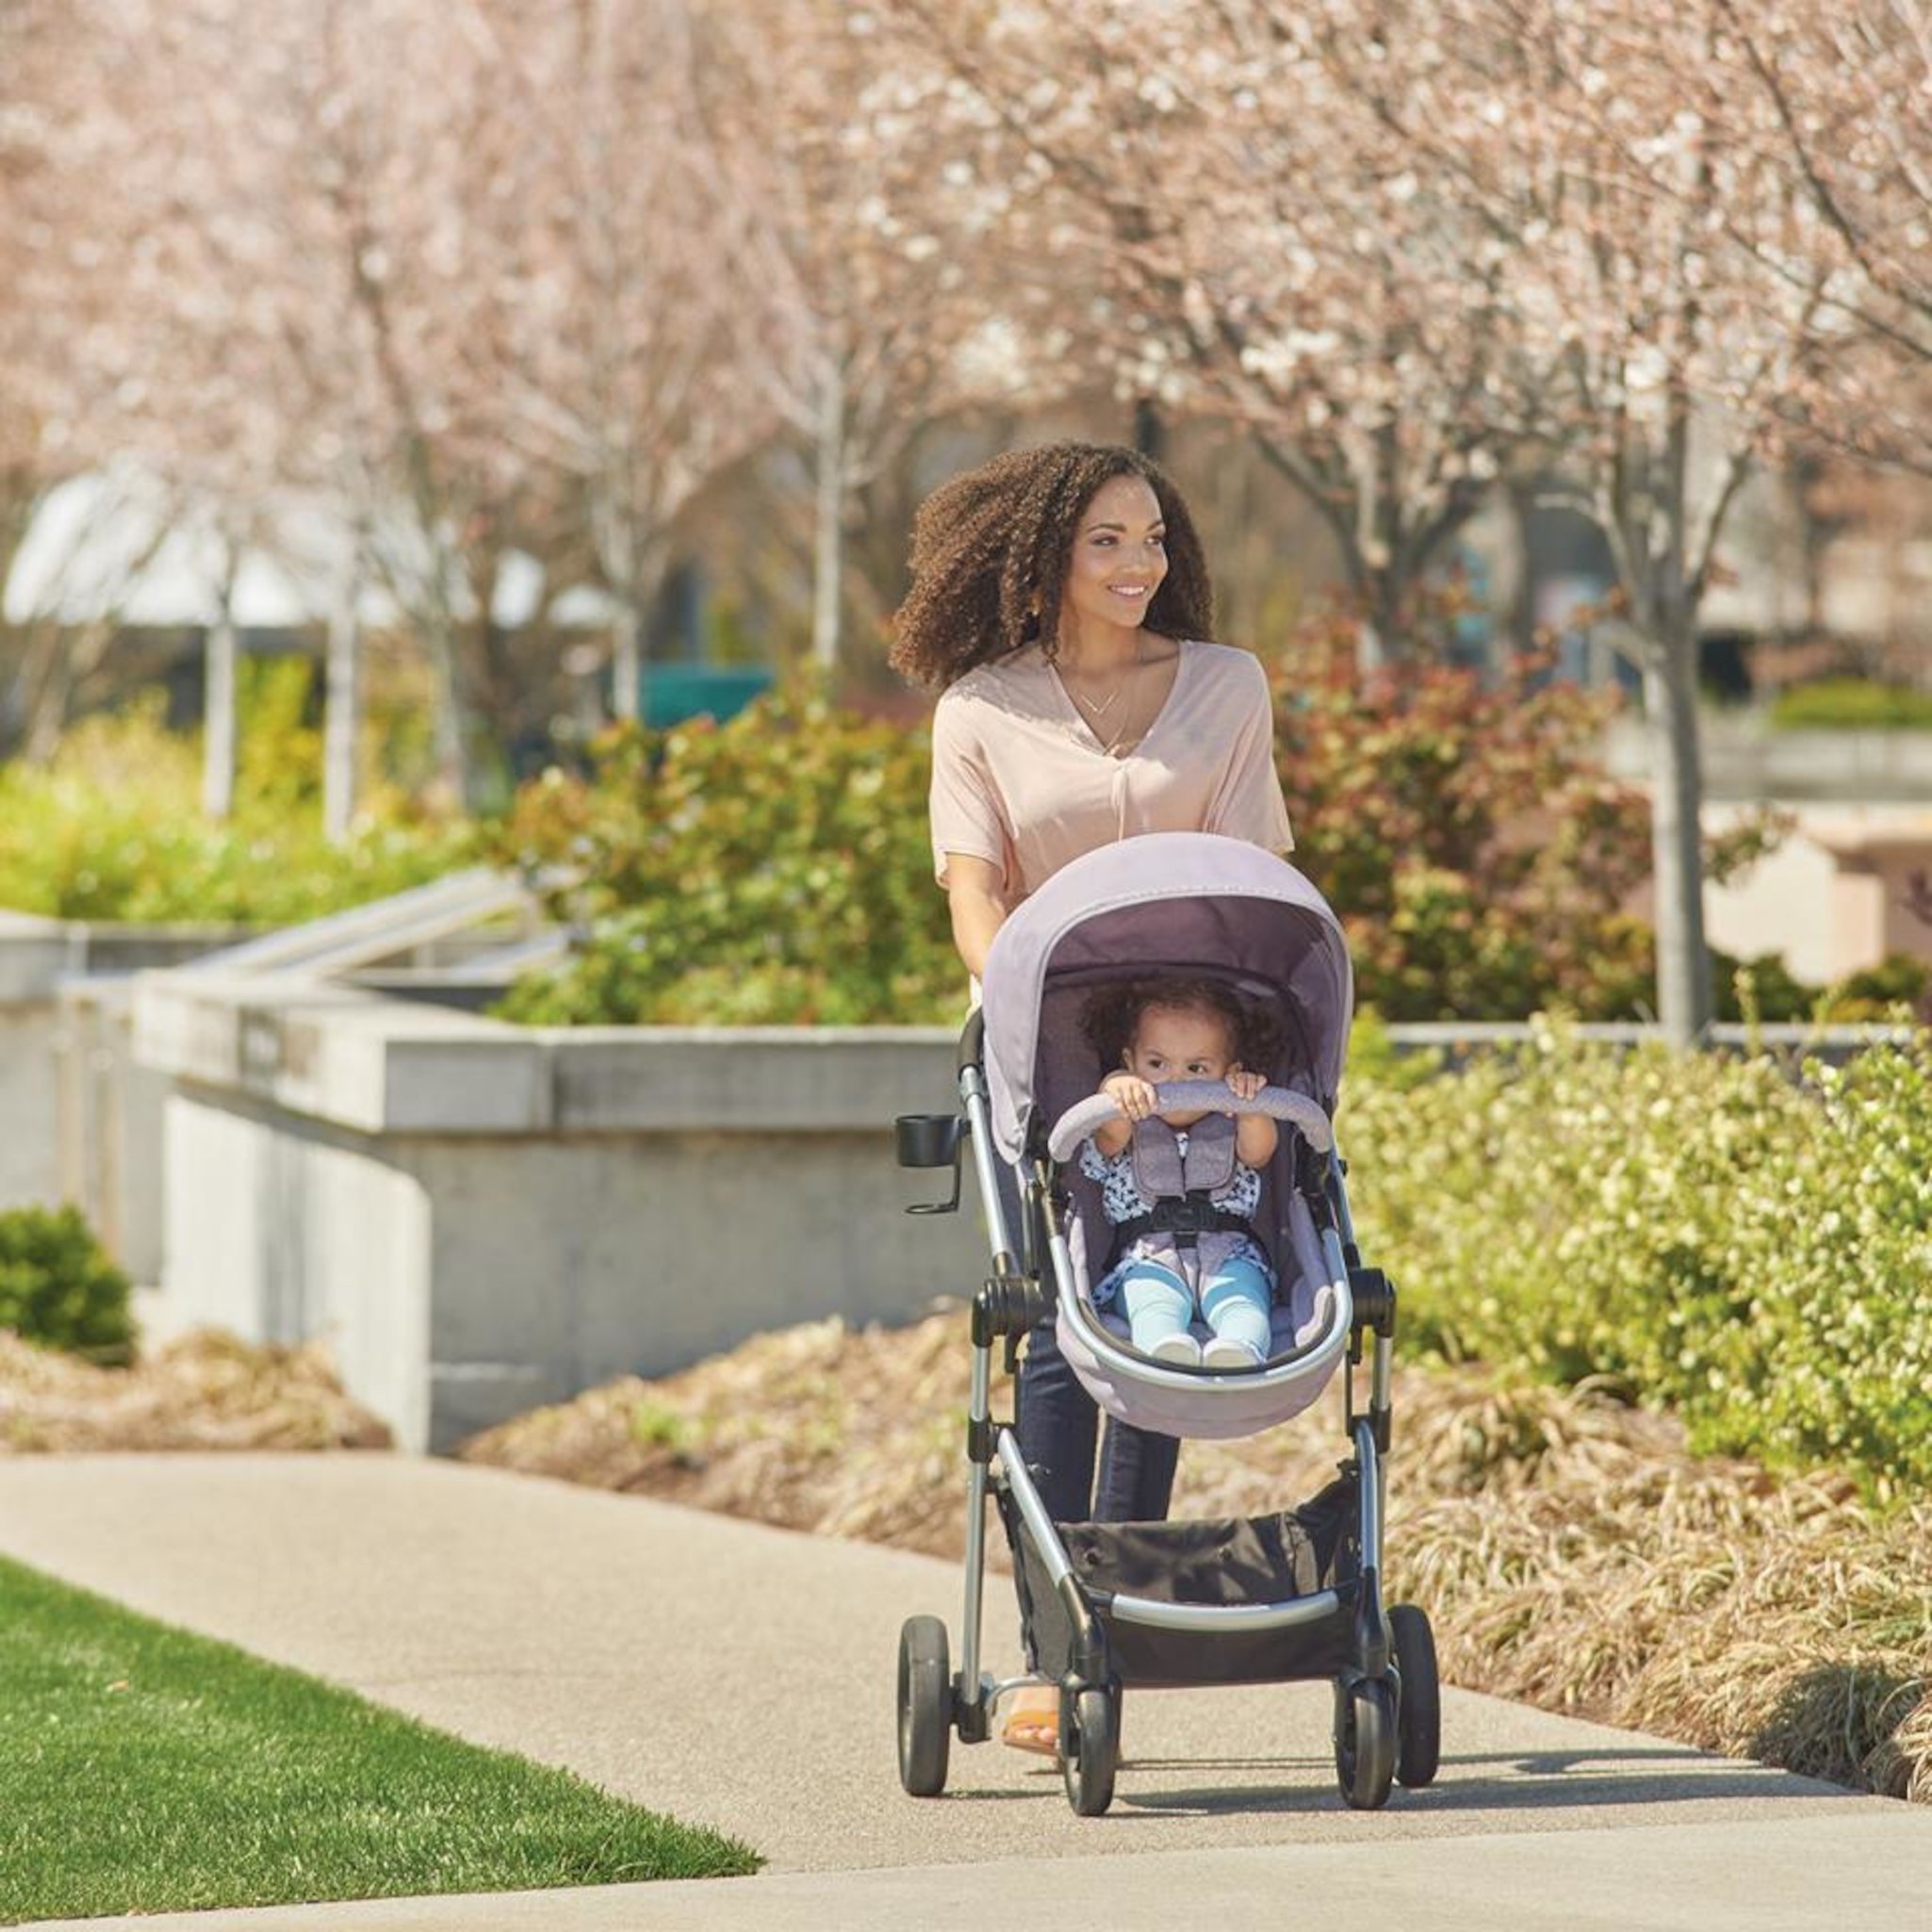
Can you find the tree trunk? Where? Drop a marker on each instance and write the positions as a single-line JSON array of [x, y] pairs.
[[218, 654], [342, 713], [829, 541], [1683, 961], [628, 641], [46, 678], [453, 751], [1150, 431]]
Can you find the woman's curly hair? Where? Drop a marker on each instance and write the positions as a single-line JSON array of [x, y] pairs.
[[991, 551], [1111, 1016]]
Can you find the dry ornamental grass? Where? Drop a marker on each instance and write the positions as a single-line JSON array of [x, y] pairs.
[[203, 1391], [1570, 1550]]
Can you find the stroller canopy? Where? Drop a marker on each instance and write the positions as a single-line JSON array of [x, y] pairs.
[[1165, 904]]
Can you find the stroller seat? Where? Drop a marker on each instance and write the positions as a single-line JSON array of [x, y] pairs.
[[1309, 1321]]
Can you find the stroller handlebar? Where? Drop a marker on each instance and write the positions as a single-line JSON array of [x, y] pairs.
[[1197, 1096]]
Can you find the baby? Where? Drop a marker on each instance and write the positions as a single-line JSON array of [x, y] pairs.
[[1162, 1032]]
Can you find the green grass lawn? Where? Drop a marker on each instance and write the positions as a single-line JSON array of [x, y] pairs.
[[143, 1769]]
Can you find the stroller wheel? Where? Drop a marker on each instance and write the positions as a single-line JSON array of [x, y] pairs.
[[1419, 1708], [1091, 1751], [926, 1706], [1365, 1742]]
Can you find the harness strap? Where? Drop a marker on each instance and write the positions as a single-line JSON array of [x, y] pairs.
[[1188, 1215]]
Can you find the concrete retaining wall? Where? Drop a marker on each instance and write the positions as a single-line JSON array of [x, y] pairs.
[[1741, 759], [481, 1219], [44, 1066]]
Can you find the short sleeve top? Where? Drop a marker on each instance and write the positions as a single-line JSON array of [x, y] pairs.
[[1020, 780]]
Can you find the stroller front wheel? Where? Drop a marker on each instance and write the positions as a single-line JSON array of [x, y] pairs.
[[1091, 1751], [1365, 1742], [926, 1706]]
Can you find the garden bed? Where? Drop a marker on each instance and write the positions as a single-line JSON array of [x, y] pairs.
[[203, 1391]]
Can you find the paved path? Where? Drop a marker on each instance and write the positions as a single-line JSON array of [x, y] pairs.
[[742, 1677]]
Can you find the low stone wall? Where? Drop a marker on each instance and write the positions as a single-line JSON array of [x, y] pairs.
[[481, 1217], [1742, 759], [43, 1065]]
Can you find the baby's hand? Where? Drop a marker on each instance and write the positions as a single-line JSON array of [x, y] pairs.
[[1245, 1085], [1131, 1094]]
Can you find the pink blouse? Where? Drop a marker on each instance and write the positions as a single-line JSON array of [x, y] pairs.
[[1019, 778]]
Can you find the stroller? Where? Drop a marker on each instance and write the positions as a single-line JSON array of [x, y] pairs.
[[1105, 1607]]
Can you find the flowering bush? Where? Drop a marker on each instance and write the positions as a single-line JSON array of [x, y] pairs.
[[1467, 833], [1744, 1240]]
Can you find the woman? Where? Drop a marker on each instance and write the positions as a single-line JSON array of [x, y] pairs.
[[1060, 602]]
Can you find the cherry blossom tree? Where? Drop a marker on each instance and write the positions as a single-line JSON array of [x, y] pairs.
[[1618, 149], [881, 276], [1849, 93], [1248, 235], [633, 331], [1423, 244], [43, 338]]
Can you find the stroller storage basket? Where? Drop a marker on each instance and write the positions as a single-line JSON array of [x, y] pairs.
[[1234, 1562]]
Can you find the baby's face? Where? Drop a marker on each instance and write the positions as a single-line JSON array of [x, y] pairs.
[[1179, 1043]]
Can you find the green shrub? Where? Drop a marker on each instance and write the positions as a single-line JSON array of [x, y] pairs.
[[58, 1287], [777, 868], [1766, 989], [1850, 704], [771, 871], [1740, 1240], [112, 828]]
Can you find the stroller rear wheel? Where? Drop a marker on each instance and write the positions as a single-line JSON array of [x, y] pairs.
[[1420, 1745], [1365, 1742], [1091, 1751], [926, 1706]]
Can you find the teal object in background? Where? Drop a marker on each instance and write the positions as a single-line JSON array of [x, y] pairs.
[[673, 693]]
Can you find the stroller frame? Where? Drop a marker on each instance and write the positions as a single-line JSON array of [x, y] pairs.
[[1381, 1662]]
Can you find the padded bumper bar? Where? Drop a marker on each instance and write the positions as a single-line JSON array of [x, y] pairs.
[[1196, 1096]]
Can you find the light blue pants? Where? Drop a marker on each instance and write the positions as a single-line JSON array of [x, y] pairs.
[[1234, 1302]]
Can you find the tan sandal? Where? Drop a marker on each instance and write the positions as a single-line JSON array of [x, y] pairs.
[[1033, 1723]]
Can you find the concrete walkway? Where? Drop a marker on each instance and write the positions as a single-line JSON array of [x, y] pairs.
[[740, 1676]]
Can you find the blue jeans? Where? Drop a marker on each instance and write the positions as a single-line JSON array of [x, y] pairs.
[[1058, 1425]]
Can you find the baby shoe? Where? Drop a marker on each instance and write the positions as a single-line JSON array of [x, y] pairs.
[[1225, 1352], [1179, 1348]]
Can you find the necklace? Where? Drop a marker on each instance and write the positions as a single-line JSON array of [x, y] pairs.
[[1098, 712], [1126, 735]]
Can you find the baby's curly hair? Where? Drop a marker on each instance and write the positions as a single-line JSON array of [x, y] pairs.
[[989, 544], [1111, 1015]]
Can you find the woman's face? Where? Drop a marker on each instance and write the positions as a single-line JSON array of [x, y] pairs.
[[1119, 556]]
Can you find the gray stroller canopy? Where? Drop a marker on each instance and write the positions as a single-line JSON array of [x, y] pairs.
[[1166, 904]]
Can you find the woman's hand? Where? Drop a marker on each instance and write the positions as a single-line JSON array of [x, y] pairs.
[[1131, 1094]]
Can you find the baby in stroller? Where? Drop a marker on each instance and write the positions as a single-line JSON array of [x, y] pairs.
[[1168, 1269], [1167, 955]]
